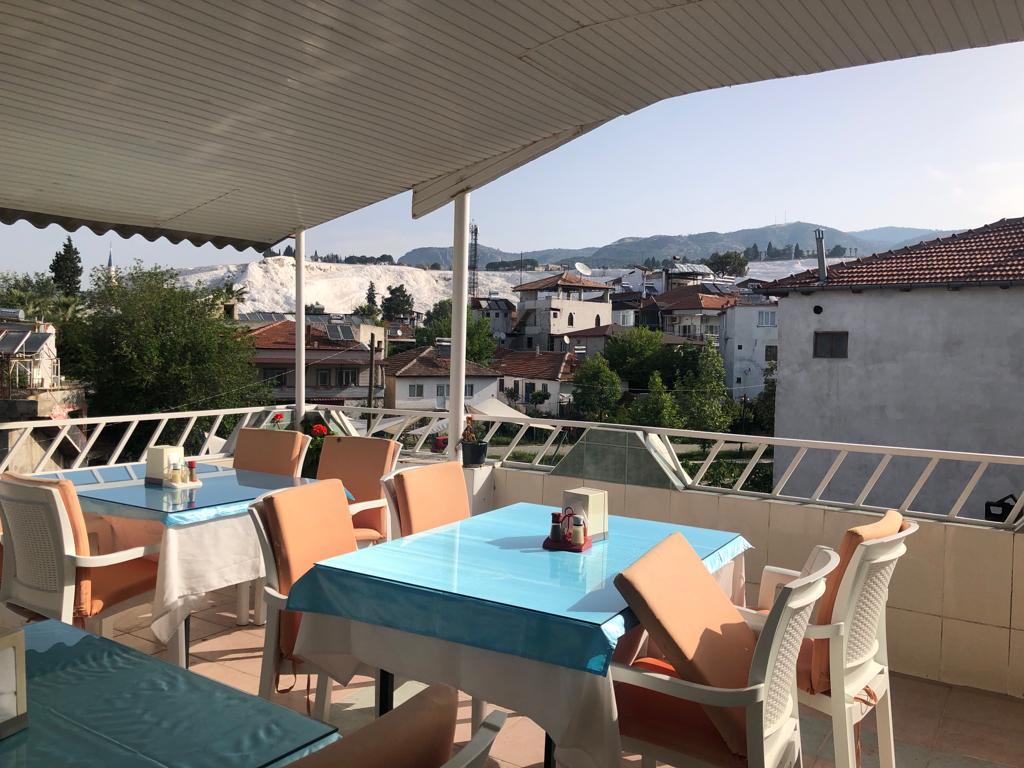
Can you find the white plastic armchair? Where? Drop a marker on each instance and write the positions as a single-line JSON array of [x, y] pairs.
[[857, 655], [41, 560], [275, 601], [769, 698]]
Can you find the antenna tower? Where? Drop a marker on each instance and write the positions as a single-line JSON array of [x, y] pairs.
[[472, 260]]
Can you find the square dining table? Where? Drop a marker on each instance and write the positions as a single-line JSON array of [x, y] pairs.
[[481, 606], [95, 702], [207, 539]]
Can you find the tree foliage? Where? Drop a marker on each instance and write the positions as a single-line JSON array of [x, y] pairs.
[[371, 295], [145, 344], [639, 352], [480, 344], [398, 303], [596, 389], [657, 408], [702, 393], [731, 263], [763, 406], [66, 268]]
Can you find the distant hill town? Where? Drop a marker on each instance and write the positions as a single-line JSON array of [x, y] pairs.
[[787, 241]]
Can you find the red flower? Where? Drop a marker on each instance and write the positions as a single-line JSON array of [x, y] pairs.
[[319, 430], [277, 417]]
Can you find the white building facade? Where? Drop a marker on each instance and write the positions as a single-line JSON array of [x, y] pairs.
[[749, 344]]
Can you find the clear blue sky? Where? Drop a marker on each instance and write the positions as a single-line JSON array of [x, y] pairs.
[[929, 142]]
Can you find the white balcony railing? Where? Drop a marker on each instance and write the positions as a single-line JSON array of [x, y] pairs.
[[103, 441]]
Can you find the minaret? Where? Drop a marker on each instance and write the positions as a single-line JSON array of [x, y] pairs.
[[110, 260]]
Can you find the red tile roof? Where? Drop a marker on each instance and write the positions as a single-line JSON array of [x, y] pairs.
[[552, 366], [990, 255], [693, 297], [281, 335], [561, 280], [424, 361]]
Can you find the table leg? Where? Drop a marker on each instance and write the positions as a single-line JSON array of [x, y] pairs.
[[549, 752], [187, 632], [385, 692], [242, 604], [177, 647]]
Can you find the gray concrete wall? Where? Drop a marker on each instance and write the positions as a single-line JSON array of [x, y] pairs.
[[929, 368]]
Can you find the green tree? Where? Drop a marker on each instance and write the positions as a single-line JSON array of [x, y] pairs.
[[657, 408], [632, 355], [836, 252], [144, 343], [729, 263], [763, 406], [596, 389], [703, 395], [67, 269], [398, 303], [371, 295], [798, 252], [480, 343]]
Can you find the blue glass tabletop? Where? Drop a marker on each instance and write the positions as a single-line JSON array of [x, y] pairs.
[[121, 492], [94, 702], [487, 582]]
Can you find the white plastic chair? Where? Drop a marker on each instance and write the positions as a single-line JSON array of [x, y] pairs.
[[858, 661], [275, 602], [769, 699], [40, 572]]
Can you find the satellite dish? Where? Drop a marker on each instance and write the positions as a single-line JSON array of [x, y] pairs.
[[398, 333], [582, 268], [565, 339]]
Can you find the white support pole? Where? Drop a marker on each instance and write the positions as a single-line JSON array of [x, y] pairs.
[[460, 304], [300, 329]]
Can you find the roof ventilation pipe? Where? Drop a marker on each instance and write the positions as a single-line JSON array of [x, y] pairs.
[[819, 239]]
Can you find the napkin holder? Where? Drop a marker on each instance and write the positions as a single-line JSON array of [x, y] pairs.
[[13, 693], [593, 505], [159, 460]]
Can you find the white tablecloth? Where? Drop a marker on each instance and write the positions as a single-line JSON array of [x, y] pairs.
[[576, 708], [194, 559]]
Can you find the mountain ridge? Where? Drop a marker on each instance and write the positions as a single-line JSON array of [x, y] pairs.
[[630, 250]]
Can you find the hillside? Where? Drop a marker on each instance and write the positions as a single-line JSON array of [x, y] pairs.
[[629, 251], [342, 287]]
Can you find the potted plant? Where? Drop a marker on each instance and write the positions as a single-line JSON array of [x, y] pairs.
[[474, 452]]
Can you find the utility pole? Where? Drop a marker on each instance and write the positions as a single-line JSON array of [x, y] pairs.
[[473, 263], [373, 380]]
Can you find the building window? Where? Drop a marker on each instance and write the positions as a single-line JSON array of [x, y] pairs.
[[275, 376], [544, 387], [597, 321], [415, 390], [831, 343], [529, 342], [501, 385], [529, 390], [515, 388], [739, 380], [571, 321], [766, 318], [444, 390], [469, 390], [739, 346], [323, 377], [348, 377], [771, 353]]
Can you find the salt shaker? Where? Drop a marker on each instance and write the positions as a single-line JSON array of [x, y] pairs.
[[578, 536]]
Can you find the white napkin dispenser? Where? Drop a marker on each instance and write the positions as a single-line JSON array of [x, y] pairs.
[[159, 460], [13, 695], [593, 505]]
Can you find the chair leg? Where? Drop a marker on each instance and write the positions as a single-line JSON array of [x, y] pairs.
[[886, 745], [259, 610], [478, 711], [242, 607], [269, 667], [842, 733], [322, 700]]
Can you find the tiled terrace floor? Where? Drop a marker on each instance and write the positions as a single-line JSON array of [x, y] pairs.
[[937, 726]]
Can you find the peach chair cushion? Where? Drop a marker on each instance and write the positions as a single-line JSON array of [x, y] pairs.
[[360, 463], [76, 519], [693, 622], [113, 584], [670, 722], [276, 451], [418, 734], [305, 524], [816, 677], [431, 496]]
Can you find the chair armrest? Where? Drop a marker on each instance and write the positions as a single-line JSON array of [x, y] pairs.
[[113, 558], [755, 619], [683, 689], [474, 754], [825, 631], [274, 598], [359, 506], [772, 579]]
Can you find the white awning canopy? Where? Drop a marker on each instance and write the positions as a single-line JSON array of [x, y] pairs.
[[244, 122]]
